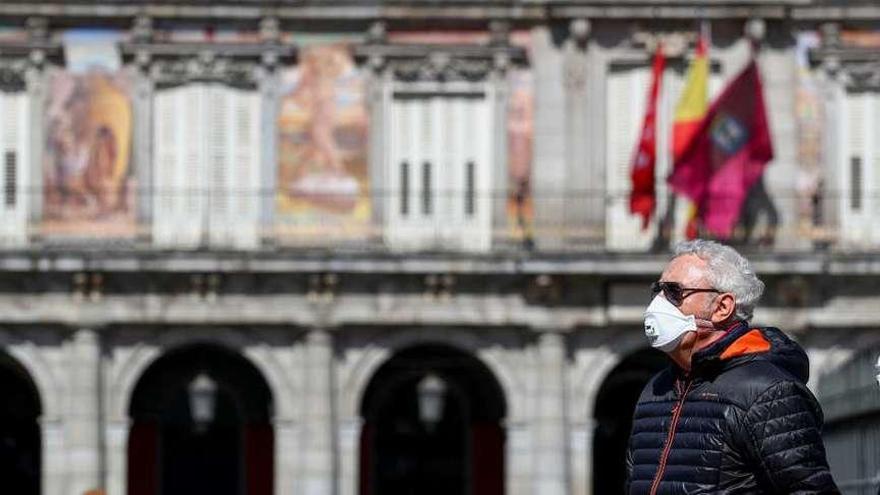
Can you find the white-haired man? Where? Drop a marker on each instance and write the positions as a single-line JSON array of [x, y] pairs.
[[732, 414]]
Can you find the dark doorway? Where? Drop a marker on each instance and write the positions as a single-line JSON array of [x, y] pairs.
[[614, 408], [19, 430], [201, 424], [456, 449]]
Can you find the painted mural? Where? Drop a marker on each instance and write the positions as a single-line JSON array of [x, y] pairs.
[[809, 114], [520, 137], [323, 183], [88, 181]]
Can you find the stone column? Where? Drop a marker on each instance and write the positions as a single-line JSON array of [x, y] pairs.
[[287, 455], [834, 99], [550, 445], [317, 461], [580, 179], [596, 126], [378, 91], [500, 188], [142, 141], [581, 448], [35, 78], [82, 424], [518, 458], [270, 99], [53, 461], [548, 172], [349, 455], [116, 474]]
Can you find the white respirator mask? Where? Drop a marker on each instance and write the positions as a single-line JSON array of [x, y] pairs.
[[665, 324]]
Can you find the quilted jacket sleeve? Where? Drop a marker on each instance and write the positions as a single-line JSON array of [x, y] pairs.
[[784, 425]]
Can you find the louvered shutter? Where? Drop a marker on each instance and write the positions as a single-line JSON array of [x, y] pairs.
[[855, 208], [234, 167], [245, 169], [625, 108], [219, 145], [872, 162], [179, 166], [14, 160], [439, 170], [470, 174]]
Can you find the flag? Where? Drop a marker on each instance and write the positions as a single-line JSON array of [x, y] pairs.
[[727, 154], [690, 111], [642, 199], [694, 102]]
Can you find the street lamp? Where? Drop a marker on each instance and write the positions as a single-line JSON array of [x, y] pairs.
[[202, 401], [431, 392]]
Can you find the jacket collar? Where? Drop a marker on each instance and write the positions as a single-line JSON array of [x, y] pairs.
[[739, 340]]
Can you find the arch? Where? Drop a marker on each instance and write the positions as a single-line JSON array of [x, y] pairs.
[[172, 451], [39, 371], [612, 413], [460, 451], [20, 436], [379, 351], [609, 348], [145, 354]]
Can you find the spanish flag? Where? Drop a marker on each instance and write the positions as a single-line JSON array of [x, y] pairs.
[[689, 113]]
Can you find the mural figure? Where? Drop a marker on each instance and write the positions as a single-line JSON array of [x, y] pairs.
[[87, 177], [322, 143]]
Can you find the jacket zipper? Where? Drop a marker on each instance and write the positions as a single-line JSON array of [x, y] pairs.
[[676, 414]]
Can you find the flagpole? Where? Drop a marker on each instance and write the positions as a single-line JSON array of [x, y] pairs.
[[663, 237]]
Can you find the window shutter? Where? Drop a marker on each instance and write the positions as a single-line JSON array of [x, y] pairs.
[[871, 188], [166, 161], [219, 146], [245, 191], [14, 157], [627, 90], [439, 167], [854, 227], [179, 196]]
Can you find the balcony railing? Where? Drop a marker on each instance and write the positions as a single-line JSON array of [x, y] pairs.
[[586, 221]]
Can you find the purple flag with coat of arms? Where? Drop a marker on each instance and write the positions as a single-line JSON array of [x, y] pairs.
[[727, 155]]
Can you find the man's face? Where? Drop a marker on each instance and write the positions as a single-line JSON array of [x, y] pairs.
[[690, 272]]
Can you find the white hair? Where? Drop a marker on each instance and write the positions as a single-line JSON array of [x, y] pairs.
[[727, 271]]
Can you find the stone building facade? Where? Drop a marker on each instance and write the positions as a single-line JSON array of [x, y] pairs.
[[318, 321]]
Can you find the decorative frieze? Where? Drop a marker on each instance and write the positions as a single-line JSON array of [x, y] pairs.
[[13, 75], [856, 67], [206, 67]]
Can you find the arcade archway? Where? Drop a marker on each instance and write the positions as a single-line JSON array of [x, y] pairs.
[[201, 424], [613, 413], [433, 425], [20, 449]]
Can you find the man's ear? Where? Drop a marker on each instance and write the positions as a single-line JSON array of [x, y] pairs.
[[725, 308]]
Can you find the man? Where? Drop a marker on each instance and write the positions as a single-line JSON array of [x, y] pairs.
[[732, 414]]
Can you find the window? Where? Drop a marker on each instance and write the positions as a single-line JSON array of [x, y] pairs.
[[404, 188], [427, 193], [10, 178], [469, 202], [855, 193]]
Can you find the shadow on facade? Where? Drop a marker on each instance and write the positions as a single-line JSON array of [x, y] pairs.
[[19, 430], [200, 424], [615, 404], [432, 425]]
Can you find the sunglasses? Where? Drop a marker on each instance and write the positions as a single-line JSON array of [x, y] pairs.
[[674, 292]]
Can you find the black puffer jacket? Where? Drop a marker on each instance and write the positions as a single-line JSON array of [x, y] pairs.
[[742, 422]]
